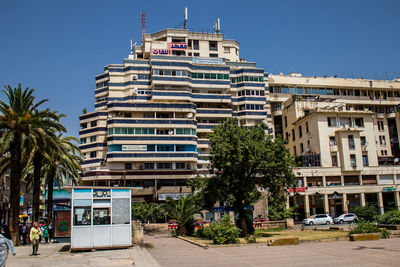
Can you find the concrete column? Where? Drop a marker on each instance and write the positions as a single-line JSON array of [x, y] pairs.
[[360, 179], [304, 181], [397, 200], [380, 203], [344, 204], [326, 204], [378, 181], [306, 206], [324, 181], [362, 199], [341, 180], [394, 179]]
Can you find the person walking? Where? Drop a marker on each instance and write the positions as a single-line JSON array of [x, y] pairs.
[[24, 232], [50, 232], [5, 246], [46, 233], [34, 237]]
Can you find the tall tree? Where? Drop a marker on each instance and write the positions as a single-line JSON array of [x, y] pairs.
[[63, 162], [20, 122], [245, 159]]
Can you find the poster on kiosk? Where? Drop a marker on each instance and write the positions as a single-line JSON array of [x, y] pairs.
[[100, 218]]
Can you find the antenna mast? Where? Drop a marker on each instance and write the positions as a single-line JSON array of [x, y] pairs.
[[143, 16], [217, 26], [185, 18]]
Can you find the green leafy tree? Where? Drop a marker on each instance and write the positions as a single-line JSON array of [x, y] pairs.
[[182, 211], [243, 160], [146, 212], [21, 123]]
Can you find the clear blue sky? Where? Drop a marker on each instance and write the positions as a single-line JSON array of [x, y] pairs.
[[57, 47]]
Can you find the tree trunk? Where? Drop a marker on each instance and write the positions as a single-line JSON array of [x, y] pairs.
[[243, 222], [15, 187], [50, 188], [37, 167]]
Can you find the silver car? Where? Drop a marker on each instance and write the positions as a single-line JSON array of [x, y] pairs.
[[347, 217], [318, 219]]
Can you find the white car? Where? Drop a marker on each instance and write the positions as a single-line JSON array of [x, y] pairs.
[[347, 217], [318, 219]]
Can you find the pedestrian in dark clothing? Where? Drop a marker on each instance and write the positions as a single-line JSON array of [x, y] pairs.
[[6, 233], [24, 233]]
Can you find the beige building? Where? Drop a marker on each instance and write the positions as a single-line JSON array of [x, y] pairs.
[[344, 133]]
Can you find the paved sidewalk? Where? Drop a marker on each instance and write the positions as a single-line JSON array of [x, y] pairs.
[[58, 255], [170, 251]]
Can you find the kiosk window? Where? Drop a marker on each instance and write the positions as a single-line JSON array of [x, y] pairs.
[[101, 216], [82, 216]]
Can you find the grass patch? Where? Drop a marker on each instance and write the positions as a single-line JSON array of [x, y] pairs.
[[306, 235]]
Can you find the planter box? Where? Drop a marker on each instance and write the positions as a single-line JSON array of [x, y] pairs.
[[284, 241], [365, 237], [390, 226]]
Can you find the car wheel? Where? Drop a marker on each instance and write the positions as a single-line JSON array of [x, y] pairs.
[[311, 223], [355, 221], [328, 222], [341, 221]]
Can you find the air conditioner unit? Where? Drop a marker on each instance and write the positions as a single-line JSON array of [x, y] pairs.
[[134, 77]]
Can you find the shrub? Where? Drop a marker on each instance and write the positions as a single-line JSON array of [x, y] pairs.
[[366, 213], [385, 233], [391, 217], [224, 232], [364, 227], [250, 239], [204, 232]]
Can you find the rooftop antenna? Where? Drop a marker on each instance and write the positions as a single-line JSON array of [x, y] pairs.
[[133, 44], [143, 16], [185, 18], [217, 26]]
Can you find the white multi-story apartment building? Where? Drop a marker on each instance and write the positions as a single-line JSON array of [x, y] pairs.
[[154, 112]]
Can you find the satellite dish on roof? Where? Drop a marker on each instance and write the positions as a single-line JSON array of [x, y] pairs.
[[347, 126], [170, 132], [190, 115]]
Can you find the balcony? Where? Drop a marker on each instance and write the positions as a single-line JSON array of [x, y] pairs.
[[333, 148]]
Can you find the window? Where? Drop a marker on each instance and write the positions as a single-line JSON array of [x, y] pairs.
[[332, 122], [128, 166], [381, 126], [351, 142], [213, 55], [213, 45], [149, 166], [83, 141], [307, 130], [353, 161], [285, 121], [332, 141], [164, 165], [363, 141], [382, 140], [293, 134], [294, 150], [334, 161], [301, 148], [359, 122], [93, 124], [384, 152], [365, 160], [82, 213], [101, 216], [195, 44], [92, 139], [287, 136], [196, 54], [227, 50], [93, 154], [300, 132], [180, 165]]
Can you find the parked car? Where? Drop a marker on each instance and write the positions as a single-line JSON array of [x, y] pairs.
[[318, 219], [347, 217]]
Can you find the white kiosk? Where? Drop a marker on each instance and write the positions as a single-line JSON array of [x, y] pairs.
[[100, 218]]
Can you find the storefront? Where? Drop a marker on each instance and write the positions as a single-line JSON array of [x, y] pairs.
[[100, 218]]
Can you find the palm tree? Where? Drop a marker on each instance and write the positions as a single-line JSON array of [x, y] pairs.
[[20, 122], [182, 210], [64, 161]]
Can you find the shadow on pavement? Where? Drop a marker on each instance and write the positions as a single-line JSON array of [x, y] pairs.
[[65, 248]]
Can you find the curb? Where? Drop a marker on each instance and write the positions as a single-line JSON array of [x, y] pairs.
[[193, 242]]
